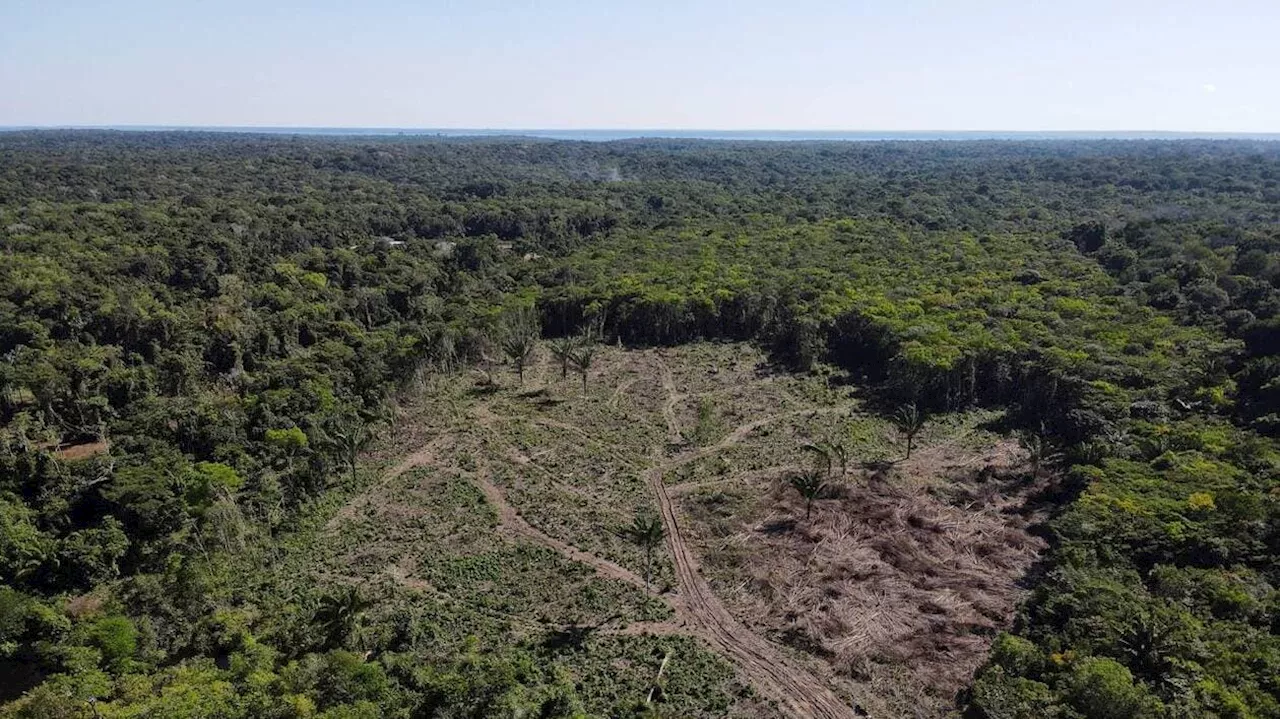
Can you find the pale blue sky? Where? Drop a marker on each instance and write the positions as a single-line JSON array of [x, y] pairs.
[[714, 64]]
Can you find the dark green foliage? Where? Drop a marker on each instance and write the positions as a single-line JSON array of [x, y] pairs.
[[337, 614], [199, 332]]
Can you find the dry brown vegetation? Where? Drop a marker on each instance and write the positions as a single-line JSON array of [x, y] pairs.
[[84, 450], [899, 579]]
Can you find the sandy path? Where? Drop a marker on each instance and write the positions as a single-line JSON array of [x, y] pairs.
[[514, 523], [675, 434], [795, 688]]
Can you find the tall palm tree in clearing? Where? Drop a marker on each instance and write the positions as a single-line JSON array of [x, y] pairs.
[[563, 348], [647, 533], [347, 437], [581, 360], [519, 344], [909, 421]]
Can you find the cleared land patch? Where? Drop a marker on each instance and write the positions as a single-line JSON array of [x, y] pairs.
[[516, 500]]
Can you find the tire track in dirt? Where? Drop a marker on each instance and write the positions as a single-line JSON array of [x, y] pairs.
[[699, 612], [675, 435], [511, 520], [798, 691]]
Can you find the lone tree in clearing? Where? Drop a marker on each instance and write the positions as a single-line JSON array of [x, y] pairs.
[[563, 348], [519, 346], [810, 484], [581, 360], [830, 454], [909, 421], [519, 340], [349, 434], [647, 533]]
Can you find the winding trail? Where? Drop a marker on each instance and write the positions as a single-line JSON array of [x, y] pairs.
[[619, 391], [424, 455], [675, 434], [799, 693], [511, 520]]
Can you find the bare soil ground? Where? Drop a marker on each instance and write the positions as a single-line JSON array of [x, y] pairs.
[[84, 450], [881, 604], [892, 584]]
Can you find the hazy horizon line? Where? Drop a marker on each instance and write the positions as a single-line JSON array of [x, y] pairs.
[[647, 132]]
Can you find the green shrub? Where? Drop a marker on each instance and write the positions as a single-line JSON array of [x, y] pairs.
[[1017, 656], [1101, 688], [997, 695], [116, 637]]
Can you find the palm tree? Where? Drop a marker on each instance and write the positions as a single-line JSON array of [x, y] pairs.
[[842, 456], [519, 344], [1039, 451], [909, 421], [563, 348], [829, 454], [809, 483], [646, 531], [1152, 644], [348, 437], [349, 434], [581, 360], [336, 616]]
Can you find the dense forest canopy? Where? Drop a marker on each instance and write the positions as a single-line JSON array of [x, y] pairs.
[[201, 332]]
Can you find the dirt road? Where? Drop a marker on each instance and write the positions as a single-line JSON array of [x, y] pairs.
[[795, 688]]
